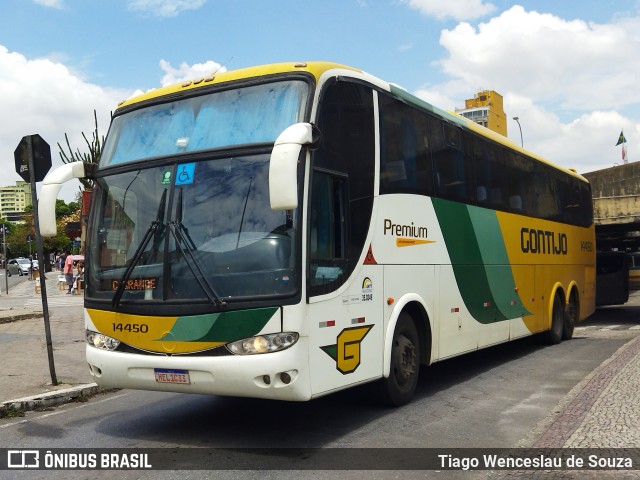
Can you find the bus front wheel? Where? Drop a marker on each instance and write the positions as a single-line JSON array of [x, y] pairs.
[[399, 388]]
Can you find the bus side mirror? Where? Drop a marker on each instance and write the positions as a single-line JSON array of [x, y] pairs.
[[283, 166], [49, 194]]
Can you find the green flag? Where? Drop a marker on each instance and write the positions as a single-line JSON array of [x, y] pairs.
[[621, 139]]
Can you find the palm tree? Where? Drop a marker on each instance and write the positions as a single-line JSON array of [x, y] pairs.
[[95, 147]]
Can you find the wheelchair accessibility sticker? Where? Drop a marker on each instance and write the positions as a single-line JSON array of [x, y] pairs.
[[184, 175]]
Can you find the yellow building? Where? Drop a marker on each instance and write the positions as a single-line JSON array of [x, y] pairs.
[[486, 109], [13, 201]]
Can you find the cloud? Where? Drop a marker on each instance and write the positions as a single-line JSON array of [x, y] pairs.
[[49, 3], [164, 8], [578, 64], [457, 10], [188, 72], [43, 96], [569, 81]]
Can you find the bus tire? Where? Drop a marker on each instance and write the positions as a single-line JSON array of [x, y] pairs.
[[570, 316], [553, 336], [398, 389]]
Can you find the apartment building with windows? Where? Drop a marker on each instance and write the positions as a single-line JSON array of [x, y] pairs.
[[14, 200]]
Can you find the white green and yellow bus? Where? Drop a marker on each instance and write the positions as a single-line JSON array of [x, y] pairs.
[[290, 230]]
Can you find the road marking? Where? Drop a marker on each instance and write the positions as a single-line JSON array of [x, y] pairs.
[[636, 327], [610, 327]]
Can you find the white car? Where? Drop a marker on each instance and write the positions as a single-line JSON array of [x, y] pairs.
[[18, 266]]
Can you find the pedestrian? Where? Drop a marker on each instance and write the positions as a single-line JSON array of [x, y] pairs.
[[68, 270], [60, 262], [79, 278]]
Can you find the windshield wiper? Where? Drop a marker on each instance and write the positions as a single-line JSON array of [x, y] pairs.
[[186, 246], [154, 228]]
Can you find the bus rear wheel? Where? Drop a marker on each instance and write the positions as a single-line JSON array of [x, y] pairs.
[[399, 388]]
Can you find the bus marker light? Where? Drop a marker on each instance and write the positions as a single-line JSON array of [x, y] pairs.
[[390, 300]]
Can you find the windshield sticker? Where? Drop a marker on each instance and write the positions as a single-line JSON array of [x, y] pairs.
[[184, 176], [139, 284], [166, 177]]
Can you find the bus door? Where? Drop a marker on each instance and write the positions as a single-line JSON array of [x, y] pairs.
[[345, 333], [345, 290]]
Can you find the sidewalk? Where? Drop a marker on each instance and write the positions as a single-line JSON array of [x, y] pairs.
[[602, 411], [26, 380]]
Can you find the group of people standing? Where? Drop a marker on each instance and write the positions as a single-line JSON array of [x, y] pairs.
[[65, 263]]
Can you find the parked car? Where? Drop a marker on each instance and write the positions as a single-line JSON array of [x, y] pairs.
[[18, 266]]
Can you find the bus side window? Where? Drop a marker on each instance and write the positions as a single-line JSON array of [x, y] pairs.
[[405, 157], [327, 232], [452, 165]]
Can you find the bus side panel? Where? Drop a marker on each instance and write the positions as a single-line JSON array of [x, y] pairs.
[[530, 311], [421, 280], [458, 330]]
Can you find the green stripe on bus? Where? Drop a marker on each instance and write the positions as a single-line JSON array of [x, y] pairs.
[[220, 327], [479, 260]]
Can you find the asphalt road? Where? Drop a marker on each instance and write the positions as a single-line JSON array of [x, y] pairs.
[[491, 398]]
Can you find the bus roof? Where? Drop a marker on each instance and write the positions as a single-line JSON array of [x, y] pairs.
[[317, 69]]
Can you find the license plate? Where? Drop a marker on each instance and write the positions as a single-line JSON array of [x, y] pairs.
[[164, 375]]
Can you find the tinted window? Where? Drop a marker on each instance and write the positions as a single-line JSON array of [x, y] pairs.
[[342, 186], [405, 156]]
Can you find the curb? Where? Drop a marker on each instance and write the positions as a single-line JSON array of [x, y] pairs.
[[577, 394], [21, 316], [55, 398]]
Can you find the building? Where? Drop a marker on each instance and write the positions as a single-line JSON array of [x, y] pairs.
[[14, 200], [486, 109], [616, 206]]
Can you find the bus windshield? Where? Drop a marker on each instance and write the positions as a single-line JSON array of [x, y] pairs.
[[251, 114], [191, 232]]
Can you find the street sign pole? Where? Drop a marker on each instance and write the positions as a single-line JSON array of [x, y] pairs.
[[4, 254], [40, 252]]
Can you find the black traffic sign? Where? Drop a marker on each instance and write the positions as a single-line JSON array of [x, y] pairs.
[[36, 146]]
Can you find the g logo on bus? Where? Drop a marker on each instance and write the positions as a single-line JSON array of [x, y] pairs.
[[346, 352]]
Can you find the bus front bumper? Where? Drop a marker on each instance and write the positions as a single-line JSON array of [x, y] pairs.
[[279, 375]]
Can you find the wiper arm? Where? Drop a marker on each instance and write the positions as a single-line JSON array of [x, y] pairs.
[[185, 249], [183, 230], [153, 228], [186, 246]]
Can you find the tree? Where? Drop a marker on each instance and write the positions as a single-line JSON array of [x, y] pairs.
[[95, 147]]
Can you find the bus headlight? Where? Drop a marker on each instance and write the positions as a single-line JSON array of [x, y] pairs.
[[98, 340], [263, 343]]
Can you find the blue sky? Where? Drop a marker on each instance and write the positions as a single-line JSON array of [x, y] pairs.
[[567, 69]]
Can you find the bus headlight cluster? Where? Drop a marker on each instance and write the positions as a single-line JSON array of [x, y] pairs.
[[99, 340], [263, 343]]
